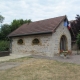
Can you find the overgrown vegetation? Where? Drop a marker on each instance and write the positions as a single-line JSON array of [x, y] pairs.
[[78, 40], [78, 25], [75, 30], [4, 45]]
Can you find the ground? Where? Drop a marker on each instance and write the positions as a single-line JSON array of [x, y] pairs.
[[38, 68]]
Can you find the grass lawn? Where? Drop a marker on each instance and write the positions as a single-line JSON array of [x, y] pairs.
[[41, 69]]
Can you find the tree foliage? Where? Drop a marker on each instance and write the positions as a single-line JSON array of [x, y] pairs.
[[75, 27], [4, 45], [78, 40], [1, 18], [17, 23], [77, 24], [7, 29]]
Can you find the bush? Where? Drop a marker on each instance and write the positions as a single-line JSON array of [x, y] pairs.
[[4, 45], [78, 40]]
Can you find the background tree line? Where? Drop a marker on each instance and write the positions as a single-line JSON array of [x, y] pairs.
[[6, 29], [78, 34], [75, 30]]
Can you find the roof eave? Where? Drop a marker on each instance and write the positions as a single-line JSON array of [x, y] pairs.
[[50, 32]]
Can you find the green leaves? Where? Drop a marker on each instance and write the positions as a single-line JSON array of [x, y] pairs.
[[17, 23], [7, 29], [78, 40], [4, 45]]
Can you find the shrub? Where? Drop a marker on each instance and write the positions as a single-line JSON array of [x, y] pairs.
[[4, 45], [78, 40]]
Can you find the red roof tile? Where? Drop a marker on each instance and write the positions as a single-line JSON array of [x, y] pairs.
[[38, 27]]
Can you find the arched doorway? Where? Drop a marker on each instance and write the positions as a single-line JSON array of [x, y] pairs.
[[63, 43]]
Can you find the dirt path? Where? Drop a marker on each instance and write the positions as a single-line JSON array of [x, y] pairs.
[[8, 65], [11, 64]]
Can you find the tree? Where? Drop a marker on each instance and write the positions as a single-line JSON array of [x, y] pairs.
[[77, 17], [77, 23], [75, 27], [29, 21], [1, 18], [7, 29], [78, 40], [17, 23]]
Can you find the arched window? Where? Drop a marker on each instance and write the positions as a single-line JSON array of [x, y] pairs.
[[20, 41], [35, 41]]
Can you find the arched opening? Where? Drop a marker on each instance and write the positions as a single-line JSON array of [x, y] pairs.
[[20, 41], [35, 41], [63, 43]]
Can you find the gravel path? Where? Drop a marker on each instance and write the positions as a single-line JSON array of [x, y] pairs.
[[72, 59]]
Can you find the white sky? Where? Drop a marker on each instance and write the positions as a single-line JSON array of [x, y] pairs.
[[38, 9]]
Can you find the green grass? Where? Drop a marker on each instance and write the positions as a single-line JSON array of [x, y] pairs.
[[41, 69]]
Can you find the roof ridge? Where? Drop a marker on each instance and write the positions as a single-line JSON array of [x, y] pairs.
[[48, 19]]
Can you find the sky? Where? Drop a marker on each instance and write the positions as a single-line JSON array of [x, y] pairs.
[[38, 9]]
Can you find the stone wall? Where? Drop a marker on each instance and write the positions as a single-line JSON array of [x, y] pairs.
[[43, 48], [74, 46], [61, 30], [4, 53]]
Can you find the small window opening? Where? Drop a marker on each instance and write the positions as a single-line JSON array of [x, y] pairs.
[[20, 41], [35, 41]]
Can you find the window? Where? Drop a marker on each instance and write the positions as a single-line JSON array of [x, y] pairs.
[[36, 41], [20, 41]]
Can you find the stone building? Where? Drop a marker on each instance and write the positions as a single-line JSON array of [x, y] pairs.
[[45, 37]]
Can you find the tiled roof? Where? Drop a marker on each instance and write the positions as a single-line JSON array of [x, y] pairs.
[[38, 27]]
